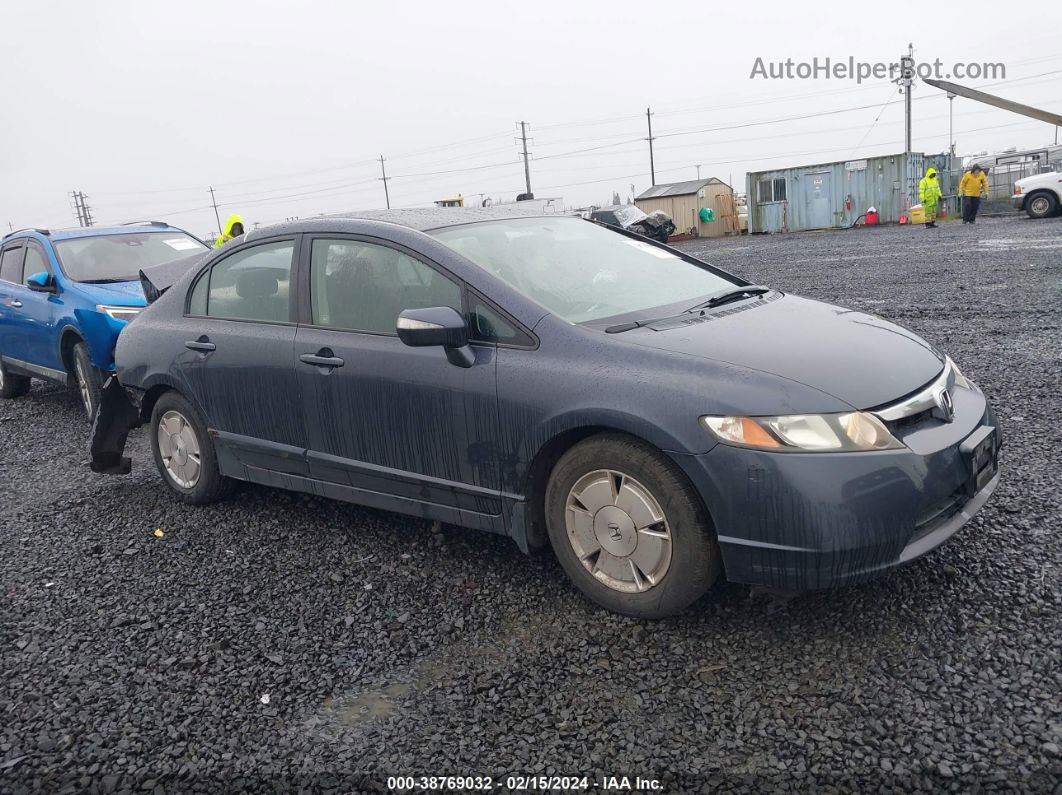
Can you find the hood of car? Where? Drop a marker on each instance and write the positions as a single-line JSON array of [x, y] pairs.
[[116, 293], [855, 357]]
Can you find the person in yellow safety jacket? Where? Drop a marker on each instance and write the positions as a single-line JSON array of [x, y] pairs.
[[972, 187], [929, 193], [233, 228]]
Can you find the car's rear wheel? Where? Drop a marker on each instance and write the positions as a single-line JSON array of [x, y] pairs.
[[184, 452], [87, 380], [628, 528], [11, 385], [1041, 205]]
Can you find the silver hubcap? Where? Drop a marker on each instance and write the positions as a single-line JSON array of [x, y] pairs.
[[179, 448], [83, 387], [618, 531], [1039, 205]]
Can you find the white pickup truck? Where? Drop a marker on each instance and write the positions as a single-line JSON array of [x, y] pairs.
[[1039, 196]]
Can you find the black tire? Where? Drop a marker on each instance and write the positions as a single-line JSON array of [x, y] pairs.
[[11, 385], [694, 555], [209, 485], [87, 381], [1041, 204]]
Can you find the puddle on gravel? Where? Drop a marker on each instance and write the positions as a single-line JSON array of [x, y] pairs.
[[1002, 243], [380, 702]]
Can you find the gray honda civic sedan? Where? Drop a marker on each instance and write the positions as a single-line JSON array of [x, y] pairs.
[[658, 422]]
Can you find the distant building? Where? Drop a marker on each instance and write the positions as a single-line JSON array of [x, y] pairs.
[[683, 201], [831, 195]]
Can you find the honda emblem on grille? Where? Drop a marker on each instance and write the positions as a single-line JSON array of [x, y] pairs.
[[946, 405]]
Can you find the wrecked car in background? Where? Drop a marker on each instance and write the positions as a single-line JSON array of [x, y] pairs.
[[657, 421], [65, 295], [657, 225]]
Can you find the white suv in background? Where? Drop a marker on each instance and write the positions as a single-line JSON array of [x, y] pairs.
[[1039, 196]]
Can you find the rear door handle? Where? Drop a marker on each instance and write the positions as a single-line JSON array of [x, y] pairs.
[[17, 304], [320, 360], [200, 345]]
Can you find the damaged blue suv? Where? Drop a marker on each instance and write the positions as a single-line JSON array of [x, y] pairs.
[[66, 294]]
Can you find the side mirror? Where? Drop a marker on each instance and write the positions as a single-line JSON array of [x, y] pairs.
[[42, 282], [438, 325]]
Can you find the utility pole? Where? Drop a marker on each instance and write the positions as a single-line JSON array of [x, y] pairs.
[[82, 211], [527, 167], [384, 177], [652, 166], [86, 210], [216, 216], [698, 171], [951, 122], [906, 81]]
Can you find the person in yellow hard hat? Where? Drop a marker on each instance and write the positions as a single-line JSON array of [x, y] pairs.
[[233, 228], [929, 193], [972, 187]]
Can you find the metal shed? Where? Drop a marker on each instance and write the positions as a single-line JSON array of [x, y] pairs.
[[830, 195], [683, 202]]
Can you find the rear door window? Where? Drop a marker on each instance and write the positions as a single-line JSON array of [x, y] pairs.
[[11, 264], [252, 284]]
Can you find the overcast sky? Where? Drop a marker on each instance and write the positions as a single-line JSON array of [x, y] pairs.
[[283, 107]]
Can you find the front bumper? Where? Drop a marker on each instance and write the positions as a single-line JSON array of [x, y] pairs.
[[1019, 201], [808, 521]]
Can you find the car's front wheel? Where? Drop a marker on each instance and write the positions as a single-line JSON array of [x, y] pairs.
[[1041, 205], [628, 528], [184, 452], [87, 380]]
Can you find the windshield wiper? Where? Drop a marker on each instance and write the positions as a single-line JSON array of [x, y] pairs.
[[106, 281], [730, 294], [619, 328], [714, 300]]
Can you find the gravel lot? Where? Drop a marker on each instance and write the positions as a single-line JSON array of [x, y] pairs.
[[277, 640]]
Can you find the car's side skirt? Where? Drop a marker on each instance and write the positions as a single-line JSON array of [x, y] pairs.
[[372, 499], [282, 466], [19, 367]]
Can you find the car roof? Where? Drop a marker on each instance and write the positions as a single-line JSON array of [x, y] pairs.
[[420, 219], [93, 231]]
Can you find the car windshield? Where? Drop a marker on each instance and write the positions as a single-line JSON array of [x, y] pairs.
[[119, 258], [581, 271]]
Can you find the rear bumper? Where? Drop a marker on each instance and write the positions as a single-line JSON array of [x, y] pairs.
[[801, 522]]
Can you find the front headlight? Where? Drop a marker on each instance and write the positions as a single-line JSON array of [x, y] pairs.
[[815, 433], [123, 313]]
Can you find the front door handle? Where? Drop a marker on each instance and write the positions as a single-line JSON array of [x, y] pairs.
[[200, 345], [17, 304], [323, 358]]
